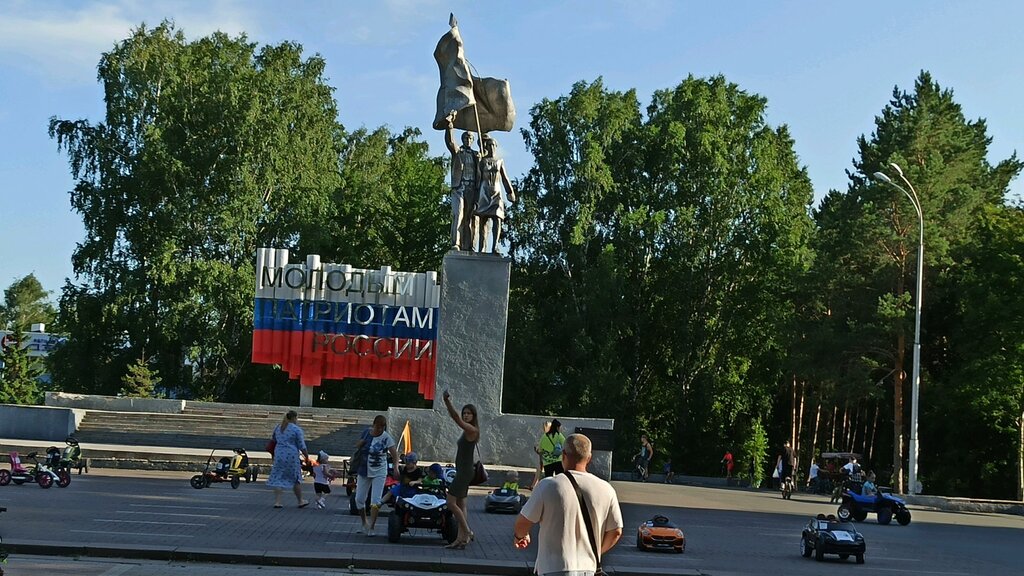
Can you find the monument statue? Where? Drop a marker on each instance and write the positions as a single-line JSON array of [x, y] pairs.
[[464, 186], [480, 105], [490, 206]]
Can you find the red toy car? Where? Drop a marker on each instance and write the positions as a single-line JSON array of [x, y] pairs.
[[659, 533]]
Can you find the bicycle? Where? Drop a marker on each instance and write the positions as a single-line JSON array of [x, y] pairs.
[[639, 472]]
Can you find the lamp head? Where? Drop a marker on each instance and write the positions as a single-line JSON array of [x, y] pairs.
[[897, 168], [881, 177]]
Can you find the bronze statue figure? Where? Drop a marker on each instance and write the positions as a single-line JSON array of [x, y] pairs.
[[490, 206], [465, 162]]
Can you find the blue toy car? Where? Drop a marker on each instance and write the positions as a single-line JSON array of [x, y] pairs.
[[856, 506]]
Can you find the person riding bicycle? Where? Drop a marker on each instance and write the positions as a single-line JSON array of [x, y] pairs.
[[644, 457]]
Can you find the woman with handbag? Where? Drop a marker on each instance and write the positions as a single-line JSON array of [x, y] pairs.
[[465, 469], [289, 441], [371, 466]]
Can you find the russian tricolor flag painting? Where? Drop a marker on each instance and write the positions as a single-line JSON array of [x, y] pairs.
[[331, 321]]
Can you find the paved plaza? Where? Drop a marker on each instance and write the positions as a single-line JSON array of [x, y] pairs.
[[149, 516]]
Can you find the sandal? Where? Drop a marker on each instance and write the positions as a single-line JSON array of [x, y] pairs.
[[304, 504]]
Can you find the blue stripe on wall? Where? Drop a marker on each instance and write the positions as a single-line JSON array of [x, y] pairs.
[[344, 318]]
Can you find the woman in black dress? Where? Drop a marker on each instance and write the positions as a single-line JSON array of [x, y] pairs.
[[464, 469]]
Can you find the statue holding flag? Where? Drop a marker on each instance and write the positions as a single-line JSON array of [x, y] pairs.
[[480, 105]]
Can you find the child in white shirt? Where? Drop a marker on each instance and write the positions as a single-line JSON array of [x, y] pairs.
[[323, 475]]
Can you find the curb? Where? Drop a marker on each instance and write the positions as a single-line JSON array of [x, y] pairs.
[[335, 560]]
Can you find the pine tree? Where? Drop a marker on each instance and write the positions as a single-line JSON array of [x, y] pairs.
[[19, 378], [140, 381]]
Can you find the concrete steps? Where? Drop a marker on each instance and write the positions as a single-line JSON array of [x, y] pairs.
[[214, 428]]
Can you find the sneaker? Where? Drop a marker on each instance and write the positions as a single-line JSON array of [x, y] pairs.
[[320, 504], [361, 530], [371, 533]]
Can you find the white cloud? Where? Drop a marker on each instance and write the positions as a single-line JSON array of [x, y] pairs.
[[65, 44]]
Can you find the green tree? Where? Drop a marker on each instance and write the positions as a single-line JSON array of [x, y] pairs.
[[20, 372], [659, 253], [25, 303], [391, 205], [980, 385], [208, 150], [869, 235], [140, 381]]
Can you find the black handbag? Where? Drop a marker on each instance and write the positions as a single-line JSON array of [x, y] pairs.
[[479, 472], [586, 522]]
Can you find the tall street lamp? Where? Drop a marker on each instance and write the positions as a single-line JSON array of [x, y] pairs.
[[916, 382]]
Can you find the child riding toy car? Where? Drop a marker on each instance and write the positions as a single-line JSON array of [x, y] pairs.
[[856, 505], [659, 533], [228, 469], [507, 498]]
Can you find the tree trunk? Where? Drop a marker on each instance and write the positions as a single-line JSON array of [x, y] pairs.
[[792, 416], [832, 439], [866, 431], [799, 429], [846, 423], [1020, 457], [814, 438], [897, 414], [874, 428]]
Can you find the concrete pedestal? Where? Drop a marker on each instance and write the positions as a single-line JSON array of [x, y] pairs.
[[470, 364]]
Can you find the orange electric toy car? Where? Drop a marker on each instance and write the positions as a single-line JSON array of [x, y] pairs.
[[659, 533]]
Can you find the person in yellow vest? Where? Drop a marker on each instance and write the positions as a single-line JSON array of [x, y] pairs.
[[550, 449]]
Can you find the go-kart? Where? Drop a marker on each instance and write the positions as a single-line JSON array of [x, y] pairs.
[[228, 469], [39, 473], [659, 533], [504, 500], [855, 506], [428, 509], [828, 535]]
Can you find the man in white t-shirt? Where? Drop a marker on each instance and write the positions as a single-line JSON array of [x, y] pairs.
[[812, 476], [564, 543]]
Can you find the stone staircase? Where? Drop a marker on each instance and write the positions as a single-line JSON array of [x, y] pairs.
[[220, 427]]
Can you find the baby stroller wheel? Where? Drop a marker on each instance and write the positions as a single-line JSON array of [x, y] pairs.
[[235, 481], [198, 482]]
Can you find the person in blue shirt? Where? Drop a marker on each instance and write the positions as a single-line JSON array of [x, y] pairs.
[[869, 488]]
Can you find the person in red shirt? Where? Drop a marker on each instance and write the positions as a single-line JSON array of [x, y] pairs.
[[727, 460]]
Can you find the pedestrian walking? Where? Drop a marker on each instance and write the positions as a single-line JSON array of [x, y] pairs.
[[540, 455], [578, 513], [286, 472], [323, 475], [373, 450]]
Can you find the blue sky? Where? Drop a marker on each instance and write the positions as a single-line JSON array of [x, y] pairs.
[[826, 67]]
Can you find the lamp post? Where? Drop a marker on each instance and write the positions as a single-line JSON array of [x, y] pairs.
[[916, 381]]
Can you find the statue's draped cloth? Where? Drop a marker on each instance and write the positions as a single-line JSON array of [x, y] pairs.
[[461, 91]]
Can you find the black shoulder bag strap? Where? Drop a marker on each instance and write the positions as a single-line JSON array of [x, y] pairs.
[[586, 522]]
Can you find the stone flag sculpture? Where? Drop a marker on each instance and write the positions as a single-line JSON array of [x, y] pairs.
[[483, 104]]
